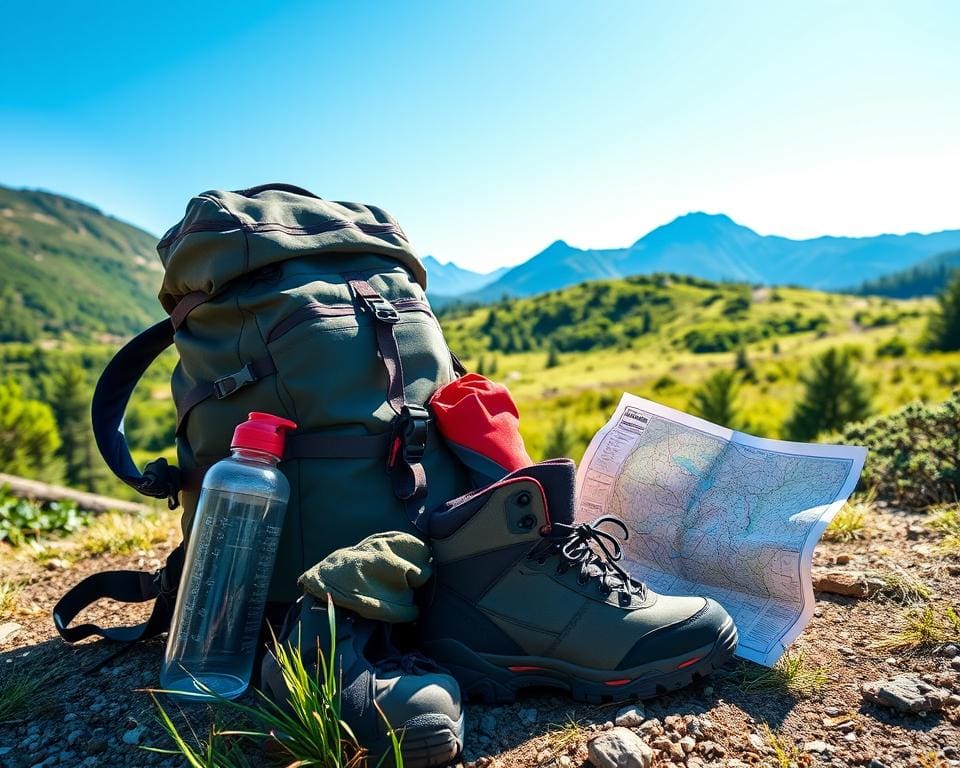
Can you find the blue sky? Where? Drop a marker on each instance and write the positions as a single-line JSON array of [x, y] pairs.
[[491, 129]]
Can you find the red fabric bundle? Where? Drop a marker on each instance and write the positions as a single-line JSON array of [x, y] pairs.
[[480, 421]]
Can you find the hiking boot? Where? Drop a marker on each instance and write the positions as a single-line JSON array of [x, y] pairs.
[[419, 701], [525, 597]]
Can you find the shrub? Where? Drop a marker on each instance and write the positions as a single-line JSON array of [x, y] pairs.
[[913, 453]]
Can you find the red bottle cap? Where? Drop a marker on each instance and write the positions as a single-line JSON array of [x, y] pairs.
[[262, 432]]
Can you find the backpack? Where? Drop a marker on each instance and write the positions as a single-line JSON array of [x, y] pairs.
[[282, 302]]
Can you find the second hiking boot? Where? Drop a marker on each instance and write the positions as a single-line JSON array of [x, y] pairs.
[[378, 683], [525, 597]]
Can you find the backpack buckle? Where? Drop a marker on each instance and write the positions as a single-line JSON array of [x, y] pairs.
[[383, 310], [227, 385], [412, 426]]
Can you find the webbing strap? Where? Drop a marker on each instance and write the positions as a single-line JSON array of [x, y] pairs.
[[186, 305], [125, 587], [110, 399], [318, 445], [223, 387], [385, 317]]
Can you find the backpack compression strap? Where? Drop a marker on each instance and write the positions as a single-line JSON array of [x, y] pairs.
[[110, 398]]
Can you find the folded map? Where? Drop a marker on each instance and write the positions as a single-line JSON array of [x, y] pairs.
[[719, 513]]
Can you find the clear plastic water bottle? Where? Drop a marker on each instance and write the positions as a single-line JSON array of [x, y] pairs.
[[226, 575]]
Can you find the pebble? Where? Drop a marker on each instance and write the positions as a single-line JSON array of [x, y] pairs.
[[712, 749], [670, 749], [757, 742], [9, 630], [73, 736], [631, 717], [852, 736], [955, 663], [906, 693], [816, 746], [133, 736], [619, 748], [687, 744], [565, 761], [528, 716], [843, 559], [545, 756], [96, 746], [950, 651], [651, 727], [5, 750]]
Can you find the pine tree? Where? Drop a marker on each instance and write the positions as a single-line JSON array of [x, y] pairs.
[[493, 366], [834, 395], [481, 366], [553, 356], [70, 398], [715, 399], [559, 441], [943, 330]]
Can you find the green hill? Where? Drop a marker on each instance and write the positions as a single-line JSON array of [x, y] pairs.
[[69, 271], [927, 278]]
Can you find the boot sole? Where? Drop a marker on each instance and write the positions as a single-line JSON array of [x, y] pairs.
[[493, 679]]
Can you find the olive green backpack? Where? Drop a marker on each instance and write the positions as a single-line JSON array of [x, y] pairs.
[[279, 301]]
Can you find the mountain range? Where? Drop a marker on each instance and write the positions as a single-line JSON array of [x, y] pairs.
[[926, 278], [714, 247], [69, 270], [450, 280]]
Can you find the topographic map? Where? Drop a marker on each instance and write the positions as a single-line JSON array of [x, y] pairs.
[[719, 513]]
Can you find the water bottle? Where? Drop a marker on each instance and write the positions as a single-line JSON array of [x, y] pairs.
[[226, 575]]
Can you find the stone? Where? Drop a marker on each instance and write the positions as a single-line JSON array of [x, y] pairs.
[[630, 717], [953, 570], [843, 559], [528, 716], [544, 757], [914, 532], [847, 583], [955, 663], [73, 736], [851, 736], [817, 746], [906, 693], [688, 744], [670, 749], [651, 728], [9, 630], [5, 750], [712, 749], [619, 748], [948, 650], [757, 742], [133, 736], [565, 761], [874, 763]]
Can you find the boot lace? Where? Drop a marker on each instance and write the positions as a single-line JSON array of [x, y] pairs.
[[595, 552]]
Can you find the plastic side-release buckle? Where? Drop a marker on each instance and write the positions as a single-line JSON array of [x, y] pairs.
[[227, 385], [412, 424], [383, 310]]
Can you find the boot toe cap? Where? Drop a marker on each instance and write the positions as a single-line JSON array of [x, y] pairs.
[[699, 630]]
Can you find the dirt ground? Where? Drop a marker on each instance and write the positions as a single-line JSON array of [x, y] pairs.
[[92, 709]]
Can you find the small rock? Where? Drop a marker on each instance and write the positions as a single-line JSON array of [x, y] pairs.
[[694, 762], [851, 736], [670, 749], [651, 728], [73, 736], [874, 763], [847, 651], [5, 750], [906, 693], [565, 761], [607, 725], [527, 716], [891, 661], [687, 744], [619, 748], [630, 717], [914, 532], [843, 559], [544, 757], [953, 700], [948, 650], [708, 690], [9, 630], [848, 583], [955, 663], [953, 570], [133, 736], [817, 746], [675, 723], [712, 749], [757, 742]]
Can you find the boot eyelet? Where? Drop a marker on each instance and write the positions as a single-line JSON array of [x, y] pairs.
[[523, 499], [527, 522], [581, 581]]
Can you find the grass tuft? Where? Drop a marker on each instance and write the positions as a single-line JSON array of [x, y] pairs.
[[308, 731], [123, 534], [901, 587], [9, 597], [946, 521], [26, 691], [849, 523], [563, 737], [922, 628], [792, 673], [786, 754]]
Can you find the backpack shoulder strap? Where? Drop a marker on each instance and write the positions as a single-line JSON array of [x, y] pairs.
[[110, 399]]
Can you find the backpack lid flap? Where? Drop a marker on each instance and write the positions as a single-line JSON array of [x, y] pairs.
[[227, 234]]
